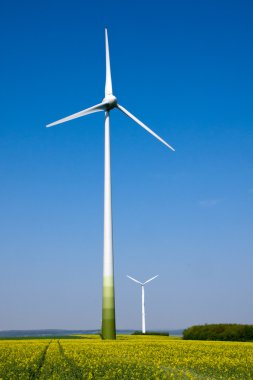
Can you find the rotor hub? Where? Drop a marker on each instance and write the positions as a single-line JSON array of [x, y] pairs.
[[110, 101]]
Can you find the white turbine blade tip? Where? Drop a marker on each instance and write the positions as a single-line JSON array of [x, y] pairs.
[[108, 80], [87, 111], [129, 114]]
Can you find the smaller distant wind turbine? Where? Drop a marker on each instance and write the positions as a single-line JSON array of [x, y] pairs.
[[143, 300]]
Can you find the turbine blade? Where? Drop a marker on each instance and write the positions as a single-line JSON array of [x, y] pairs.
[[87, 111], [143, 126], [151, 279], [135, 280], [108, 80]]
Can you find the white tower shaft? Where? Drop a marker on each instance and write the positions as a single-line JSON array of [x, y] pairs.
[[108, 249], [143, 309], [108, 311]]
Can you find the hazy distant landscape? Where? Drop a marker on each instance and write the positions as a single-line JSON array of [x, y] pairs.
[[56, 332]]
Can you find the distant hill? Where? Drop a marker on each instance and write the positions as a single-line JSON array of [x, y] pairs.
[[49, 332], [178, 332]]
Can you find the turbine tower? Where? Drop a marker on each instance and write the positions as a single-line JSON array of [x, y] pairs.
[[108, 103], [142, 300]]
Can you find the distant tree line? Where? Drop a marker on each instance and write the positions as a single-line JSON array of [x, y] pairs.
[[229, 332]]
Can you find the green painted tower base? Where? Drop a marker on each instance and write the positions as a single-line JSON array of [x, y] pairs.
[[108, 330]]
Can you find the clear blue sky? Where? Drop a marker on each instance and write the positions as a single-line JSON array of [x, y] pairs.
[[185, 69]]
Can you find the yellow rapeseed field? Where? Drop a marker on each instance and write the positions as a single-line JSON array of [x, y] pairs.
[[128, 358]]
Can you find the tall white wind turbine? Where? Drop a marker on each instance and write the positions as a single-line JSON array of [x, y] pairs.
[[143, 315], [108, 103]]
